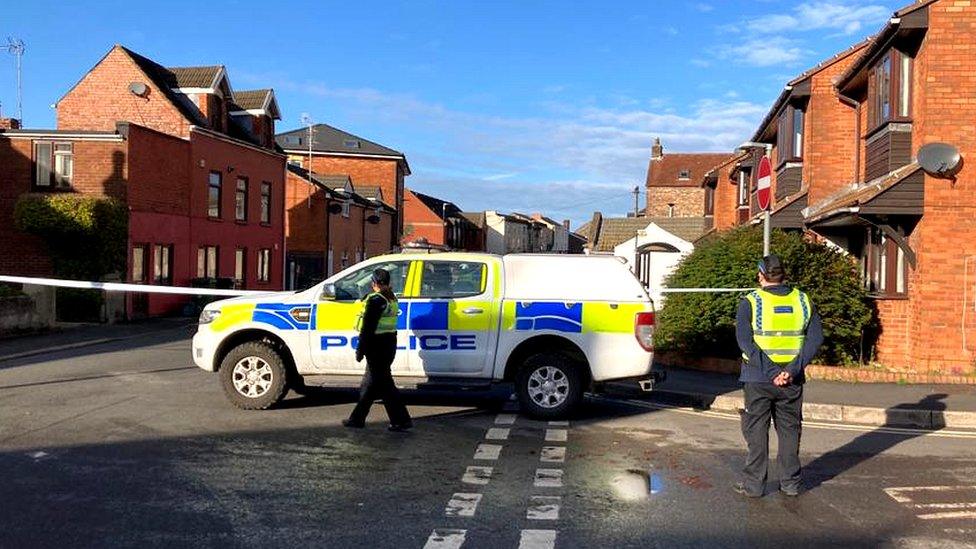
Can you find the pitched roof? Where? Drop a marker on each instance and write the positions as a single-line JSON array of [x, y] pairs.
[[193, 77], [667, 170], [327, 139], [251, 99], [336, 182], [164, 79], [372, 193], [858, 194], [617, 230], [435, 204], [477, 218]]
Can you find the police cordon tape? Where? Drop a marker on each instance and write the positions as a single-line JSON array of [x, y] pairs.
[[179, 290]]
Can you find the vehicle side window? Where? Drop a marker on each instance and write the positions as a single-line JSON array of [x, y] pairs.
[[453, 279], [356, 285]]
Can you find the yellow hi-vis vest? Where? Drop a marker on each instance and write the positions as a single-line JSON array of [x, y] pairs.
[[388, 322], [779, 323]]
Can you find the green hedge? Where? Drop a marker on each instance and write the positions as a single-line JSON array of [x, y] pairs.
[[86, 236], [704, 324]]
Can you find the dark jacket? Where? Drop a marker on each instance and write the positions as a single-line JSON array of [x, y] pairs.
[[759, 368], [369, 340]]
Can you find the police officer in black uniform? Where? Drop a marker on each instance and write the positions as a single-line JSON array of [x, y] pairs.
[[378, 344]]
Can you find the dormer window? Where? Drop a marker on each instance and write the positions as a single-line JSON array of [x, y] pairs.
[[789, 135], [890, 86], [684, 174]]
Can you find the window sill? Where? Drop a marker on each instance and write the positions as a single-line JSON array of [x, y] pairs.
[[240, 222], [217, 219], [880, 128], [265, 224], [888, 297]]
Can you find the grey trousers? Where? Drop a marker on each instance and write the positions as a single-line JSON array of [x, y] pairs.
[[784, 405]]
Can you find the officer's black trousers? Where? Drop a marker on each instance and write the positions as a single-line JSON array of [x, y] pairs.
[[785, 406], [378, 384]]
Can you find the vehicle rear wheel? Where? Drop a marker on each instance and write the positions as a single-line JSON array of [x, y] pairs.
[[253, 376], [549, 385]]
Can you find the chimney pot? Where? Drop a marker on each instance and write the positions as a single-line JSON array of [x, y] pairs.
[[9, 124], [657, 150]]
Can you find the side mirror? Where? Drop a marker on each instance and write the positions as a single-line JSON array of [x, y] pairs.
[[328, 292]]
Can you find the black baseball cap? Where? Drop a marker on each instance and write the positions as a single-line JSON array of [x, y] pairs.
[[381, 277], [772, 267]]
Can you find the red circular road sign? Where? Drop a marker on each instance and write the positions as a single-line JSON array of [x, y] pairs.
[[765, 178]]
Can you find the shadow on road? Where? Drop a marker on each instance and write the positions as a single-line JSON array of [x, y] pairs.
[[840, 460]]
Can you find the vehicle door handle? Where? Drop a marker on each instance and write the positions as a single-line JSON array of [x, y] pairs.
[[472, 311]]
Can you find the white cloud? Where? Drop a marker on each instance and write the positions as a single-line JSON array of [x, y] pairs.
[[762, 52], [703, 7], [844, 17]]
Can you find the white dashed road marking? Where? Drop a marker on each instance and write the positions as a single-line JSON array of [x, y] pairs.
[[477, 475], [544, 508], [445, 538], [537, 539], [562, 423], [488, 452], [497, 433], [556, 435], [462, 505], [548, 478], [553, 454], [505, 419]]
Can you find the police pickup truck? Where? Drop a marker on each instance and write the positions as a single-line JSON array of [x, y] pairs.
[[554, 325]]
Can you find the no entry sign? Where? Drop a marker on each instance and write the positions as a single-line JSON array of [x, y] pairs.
[[762, 189]]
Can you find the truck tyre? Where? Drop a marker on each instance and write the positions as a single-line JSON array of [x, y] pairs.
[[549, 385], [253, 376]]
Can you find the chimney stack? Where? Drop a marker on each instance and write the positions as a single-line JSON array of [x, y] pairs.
[[9, 124], [566, 224], [657, 151]]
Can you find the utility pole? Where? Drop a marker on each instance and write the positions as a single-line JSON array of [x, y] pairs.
[[636, 192], [16, 46]]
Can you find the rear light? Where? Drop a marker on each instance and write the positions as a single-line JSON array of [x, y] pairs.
[[644, 330]]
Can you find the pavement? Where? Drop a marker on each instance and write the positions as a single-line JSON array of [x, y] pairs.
[[876, 404], [126, 444]]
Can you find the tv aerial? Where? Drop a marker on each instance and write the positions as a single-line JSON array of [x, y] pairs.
[[16, 47]]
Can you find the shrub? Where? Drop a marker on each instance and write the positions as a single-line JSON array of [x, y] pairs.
[[86, 236], [704, 324]]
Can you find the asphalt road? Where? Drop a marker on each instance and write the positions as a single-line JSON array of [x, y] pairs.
[[126, 444]]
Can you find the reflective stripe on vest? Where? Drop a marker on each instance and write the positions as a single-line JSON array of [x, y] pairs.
[[779, 323], [388, 322]]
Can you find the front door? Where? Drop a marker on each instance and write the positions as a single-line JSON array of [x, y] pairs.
[[333, 339], [452, 319]]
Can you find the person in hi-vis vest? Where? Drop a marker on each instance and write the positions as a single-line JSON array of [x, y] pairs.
[[779, 333], [377, 327]]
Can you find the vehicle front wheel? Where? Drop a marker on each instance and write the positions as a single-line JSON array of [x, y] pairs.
[[253, 376], [549, 385]]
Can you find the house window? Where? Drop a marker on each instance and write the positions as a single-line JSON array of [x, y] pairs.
[[162, 264], [240, 255], [207, 261], [709, 201], [53, 164], [345, 259], [743, 189], [883, 265], [670, 210], [789, 135], [139, 263], [265, 202], [264, 265], [213, 195], [684, 174], [890, 93], [240, 200]]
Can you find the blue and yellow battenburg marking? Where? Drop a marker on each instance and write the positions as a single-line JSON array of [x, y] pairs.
[[421, 317]]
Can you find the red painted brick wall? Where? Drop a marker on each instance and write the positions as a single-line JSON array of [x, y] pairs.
[[347, 237], [305, 216], [378, 236], [101, 98]]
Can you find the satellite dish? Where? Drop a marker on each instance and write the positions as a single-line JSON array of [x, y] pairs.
[[138, 89], [335, 208], [373, 219], [940, 160]]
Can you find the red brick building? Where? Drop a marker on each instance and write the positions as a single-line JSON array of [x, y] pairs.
[[674, 182], [330, 225], [439, 222], [864, 115], [365, 163], [193, 161]]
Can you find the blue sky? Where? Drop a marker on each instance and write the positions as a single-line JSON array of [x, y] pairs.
[[527, 106]]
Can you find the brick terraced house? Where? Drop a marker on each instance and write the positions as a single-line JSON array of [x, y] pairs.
[[673, 182], [367, 164], [192, 159], [330, 225], [844, 140], [439, 222]]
